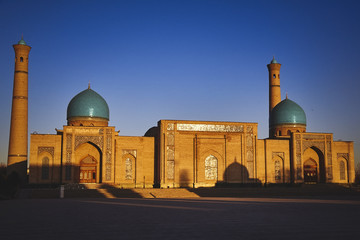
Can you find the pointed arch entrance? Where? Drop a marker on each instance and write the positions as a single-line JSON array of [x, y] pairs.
[[310, 171], [89, 160], [314, 165], [88, 167]]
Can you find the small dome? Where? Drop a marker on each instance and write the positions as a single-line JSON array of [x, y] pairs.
[[273, 60], [88, 103], [22, 42], [287, 112]]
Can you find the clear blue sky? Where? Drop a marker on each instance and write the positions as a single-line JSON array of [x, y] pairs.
[[191, 60]]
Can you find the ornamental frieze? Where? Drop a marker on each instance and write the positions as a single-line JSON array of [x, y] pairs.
[[298, 159], [319, 145], [249, 156], [279, 154], [170, 127], [249, 140], [170, 166], [329, 154], [129, 151], [97, 140], [249, 129], [209, 127], [68, 148], [298, 173], [68, 142], [313, 136], [328, 146], [170, 152], [170, 139], [46, 149], [344, 155], [108, 172]]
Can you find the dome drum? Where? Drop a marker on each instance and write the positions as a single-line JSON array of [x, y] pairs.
[[285, 130], [87, 121]]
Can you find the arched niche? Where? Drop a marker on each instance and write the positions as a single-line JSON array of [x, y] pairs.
[[45, 174], [342, 169]]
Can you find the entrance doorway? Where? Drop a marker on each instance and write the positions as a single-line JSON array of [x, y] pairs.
[[310, 171], [88, 170]]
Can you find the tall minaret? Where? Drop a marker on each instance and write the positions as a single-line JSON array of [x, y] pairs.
[[18, 139], [274, 83]]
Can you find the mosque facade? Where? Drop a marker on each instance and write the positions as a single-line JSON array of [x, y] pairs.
[[181, 153]]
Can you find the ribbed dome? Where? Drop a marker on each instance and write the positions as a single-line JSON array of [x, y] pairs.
[[88, 103], [287, 112]]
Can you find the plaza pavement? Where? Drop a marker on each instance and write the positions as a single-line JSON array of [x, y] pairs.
[[190, 218]]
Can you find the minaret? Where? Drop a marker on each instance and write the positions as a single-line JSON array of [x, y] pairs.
[[18, 139], [274, 83]]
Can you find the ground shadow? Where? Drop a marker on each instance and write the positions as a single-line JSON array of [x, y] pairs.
[[120, 192], [237, 175]]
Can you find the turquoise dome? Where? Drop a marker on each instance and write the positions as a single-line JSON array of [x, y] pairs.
[[88, 103], [22, 42], [287, 112]]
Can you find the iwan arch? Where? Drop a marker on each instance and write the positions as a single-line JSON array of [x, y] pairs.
[[179, 153]]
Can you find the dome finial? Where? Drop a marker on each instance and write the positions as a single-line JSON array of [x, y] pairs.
[[89, 85], [286, 96]]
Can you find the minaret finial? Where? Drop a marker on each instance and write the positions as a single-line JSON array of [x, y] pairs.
[[89, 85], [273, 60]]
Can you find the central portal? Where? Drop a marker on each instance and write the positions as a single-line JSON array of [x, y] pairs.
[[88, 170]]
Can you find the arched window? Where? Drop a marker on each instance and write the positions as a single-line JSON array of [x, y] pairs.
[[21, 59], [277, 166], [342, 170], [45, 168], [211, 168], [274, 76], [128, 169]]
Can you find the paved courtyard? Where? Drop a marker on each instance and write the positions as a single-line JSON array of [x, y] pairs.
[[201, 218]]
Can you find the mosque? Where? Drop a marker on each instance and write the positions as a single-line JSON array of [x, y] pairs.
[[176, 153]]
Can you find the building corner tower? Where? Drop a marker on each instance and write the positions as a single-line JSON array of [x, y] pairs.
[[18, 138], [274, 83]]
